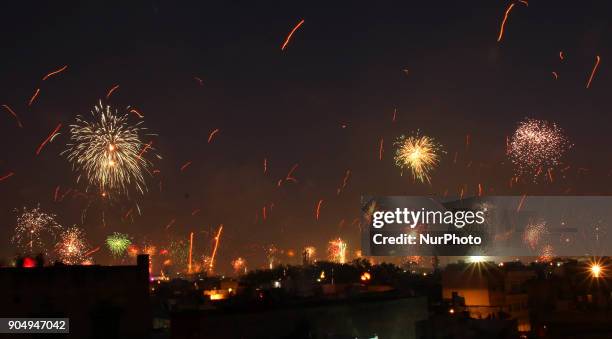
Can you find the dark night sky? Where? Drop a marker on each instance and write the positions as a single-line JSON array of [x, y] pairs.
[[343, 66]]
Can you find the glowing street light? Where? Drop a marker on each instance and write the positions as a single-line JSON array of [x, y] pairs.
[[596, 270]]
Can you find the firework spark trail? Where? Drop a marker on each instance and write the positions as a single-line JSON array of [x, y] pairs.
[[419, 153], [185, 165], [290, 173], [289, 176], [555, 75], [137, 112], [170, 223], [347, 174], [128, 213], [200, 81], [111, 91], [537, 145], [49, 138], [214, 252], [10, 110], [381, 149], [56, 193], [72, 245], [291, 34], [92, 251], [6, 176], [597, 59], [34, 97], [145, 148], [503, 24], [195, 211], [212, 135], [480, 190], [54, 73], [265, 165], [394, 115], [520, 205], [65, 194], [318, 209], [106, 151], [468, 141], [550, 176], [190, 252], [561, 55]]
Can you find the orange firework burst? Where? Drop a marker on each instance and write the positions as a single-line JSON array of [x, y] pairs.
[[309, 254], [239, 266], [421, 154], [73, 246], [337, 251]]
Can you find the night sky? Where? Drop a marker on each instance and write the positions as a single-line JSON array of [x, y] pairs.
[[324, 103]]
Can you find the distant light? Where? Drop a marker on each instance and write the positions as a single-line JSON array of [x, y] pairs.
[[29, 262], [277, 284], [217, 296], [596, 270], [366, 276], [476, 259], [451, 311]]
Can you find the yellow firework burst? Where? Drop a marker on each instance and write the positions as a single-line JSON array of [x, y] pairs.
[[72, 246], [419, 153], [108, 151]]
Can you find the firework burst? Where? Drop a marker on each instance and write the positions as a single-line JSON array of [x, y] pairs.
[[337, 251], [534, 232], [419, 153], [106, 150], [118, 243], [72, 248], [239, 266], [536, 146], [271, 252], [309, 255], [35, 230], [546, 253], [179, 252]]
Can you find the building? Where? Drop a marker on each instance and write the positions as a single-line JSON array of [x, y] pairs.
[[100, 301], [489, 291], [371, 317]]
